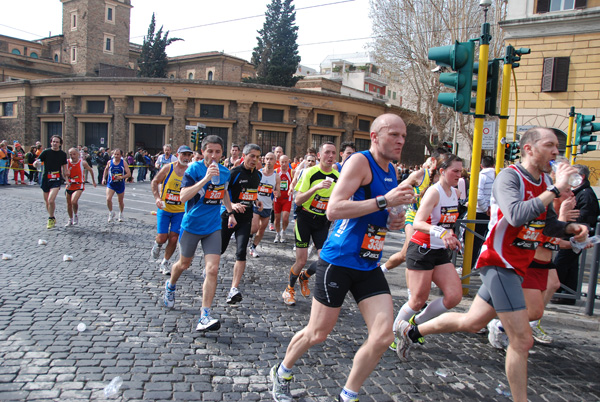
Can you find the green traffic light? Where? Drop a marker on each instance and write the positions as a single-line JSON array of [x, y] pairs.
[[459, 57]]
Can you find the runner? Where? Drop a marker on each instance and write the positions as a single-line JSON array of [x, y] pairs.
[[269, 185], [347, 149], [55, 165], [349, 258], [520, 211], [429, 255], [234, 159], [201, 223], [243, 193], [76, 167], [312, 199], [283, 203], [165, 158], [115, 174], [166, 188]]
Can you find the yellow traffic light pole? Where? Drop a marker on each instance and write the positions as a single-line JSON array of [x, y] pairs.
[[484, 44], [570, 134], [505, 97]]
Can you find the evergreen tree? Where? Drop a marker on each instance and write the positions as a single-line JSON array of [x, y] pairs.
[[276, 56], [153, 59]]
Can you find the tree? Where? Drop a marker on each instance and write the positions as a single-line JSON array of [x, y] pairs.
[[153, 59], [276, 56], [405, 30]]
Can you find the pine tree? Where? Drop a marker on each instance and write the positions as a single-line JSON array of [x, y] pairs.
[[153, 59], [276, 56]]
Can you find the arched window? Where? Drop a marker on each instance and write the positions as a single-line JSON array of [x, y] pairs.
[[210, 75], [56, 58], [33, 55], [190, 76], [16, 51], [172, 76]]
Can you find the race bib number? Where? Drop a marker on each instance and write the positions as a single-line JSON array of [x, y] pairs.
[[284, 185], [265, 189], [248, 196], [551, 243], [372, 244], [53, 176], [117, 177], [74, 179], [172, 197], [448, 217], [319, 204], [530, 236], [214, 194]]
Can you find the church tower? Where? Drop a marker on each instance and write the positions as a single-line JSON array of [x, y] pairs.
[[96, 35]]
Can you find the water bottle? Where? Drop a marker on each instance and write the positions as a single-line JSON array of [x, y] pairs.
[[575, 179], [113, 388], [395, 211], [577, 246], [215, 179]]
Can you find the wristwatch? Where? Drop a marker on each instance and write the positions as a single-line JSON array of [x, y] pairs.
[[381, 202], [555, 190]]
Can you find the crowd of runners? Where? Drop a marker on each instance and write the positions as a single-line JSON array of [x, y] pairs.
[[342, 203]]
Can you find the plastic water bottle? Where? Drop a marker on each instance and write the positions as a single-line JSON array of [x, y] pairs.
[[578, 246], [215, 179], [113, 388], [395, 211], [575, 179]]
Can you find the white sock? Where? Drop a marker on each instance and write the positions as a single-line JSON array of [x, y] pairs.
[[404, 314], [284, 372], [432, 310], [164, 261], [347, 395]]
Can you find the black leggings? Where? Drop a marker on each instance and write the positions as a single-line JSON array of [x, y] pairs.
[[242, 234]]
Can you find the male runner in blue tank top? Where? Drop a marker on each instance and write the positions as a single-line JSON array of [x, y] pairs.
[[348, 261]]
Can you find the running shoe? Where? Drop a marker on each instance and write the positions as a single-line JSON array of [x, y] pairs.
[[540, 335], [155, 252], [111, 216], [281, 386], [253, 252], [51, 223], [69, 223], [394, 345], [234, 296], [271, 227], [339, 399], [496, 335], [207, 323], [404, 343], [121, 217], [75, 220], [289, 296], [169, 297], [165, 267], [276, 238], [282, 237], [304, 284], [411, 321]]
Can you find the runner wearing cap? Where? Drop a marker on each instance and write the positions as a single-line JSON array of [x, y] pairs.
[[166, 186]]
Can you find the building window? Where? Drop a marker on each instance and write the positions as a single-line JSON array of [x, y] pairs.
[[73, 21], [362, 144], [154, 108], [8, 109], [273, 115], [268, 140], [325, 120], [364, 125], [210, 76], [544, 6], [555, 75], [190, 76], [109, 43], [172, 76], [73, 54], [95, 106], [214, 111], [53, 106], [394, 95], [109, 14], [34, 55], [15, 51], [56, 58], [318, 139]]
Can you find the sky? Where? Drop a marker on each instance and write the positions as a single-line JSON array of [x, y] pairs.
[[325, 27]]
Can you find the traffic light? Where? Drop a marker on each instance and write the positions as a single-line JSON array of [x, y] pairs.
[[459, 57], [193, 135], [513, 56], [491, 87], [447, 146], [585, 128], [513, 149], [507, 148]]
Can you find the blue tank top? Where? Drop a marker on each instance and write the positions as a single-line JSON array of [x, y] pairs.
[[357, 243], [115, 172]]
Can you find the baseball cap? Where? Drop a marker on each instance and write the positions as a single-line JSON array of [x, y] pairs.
[[184, 148]]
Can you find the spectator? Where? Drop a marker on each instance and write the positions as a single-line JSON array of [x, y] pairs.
[[17, 163], [4, 163], [30, 170], [102, 158], [131, 163], [140, 161], [487, 176]]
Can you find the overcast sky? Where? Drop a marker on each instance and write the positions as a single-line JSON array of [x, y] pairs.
[[325, 26]]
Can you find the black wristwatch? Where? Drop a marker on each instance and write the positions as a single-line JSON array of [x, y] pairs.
[[555, 190], [227, 213], [381, 202]]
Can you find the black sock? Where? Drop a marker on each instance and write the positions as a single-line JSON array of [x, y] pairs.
[[293, 279], [414, 334], [311, 269]]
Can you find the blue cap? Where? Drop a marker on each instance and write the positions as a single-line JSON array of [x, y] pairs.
[[184, 148]]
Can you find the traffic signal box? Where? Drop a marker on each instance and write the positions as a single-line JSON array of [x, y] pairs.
[[512, 150], [491, 87], [459, 57], [193, 135], [583, 136]]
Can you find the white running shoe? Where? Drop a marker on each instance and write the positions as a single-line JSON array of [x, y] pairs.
[[282, 237], [155, 252], [121, 218], [207, 323], [234, 296], [75, 220], [276, 238], [253, 252], [69, 223], [165, 267], [111, 216], [496, 335], [169, 297]]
